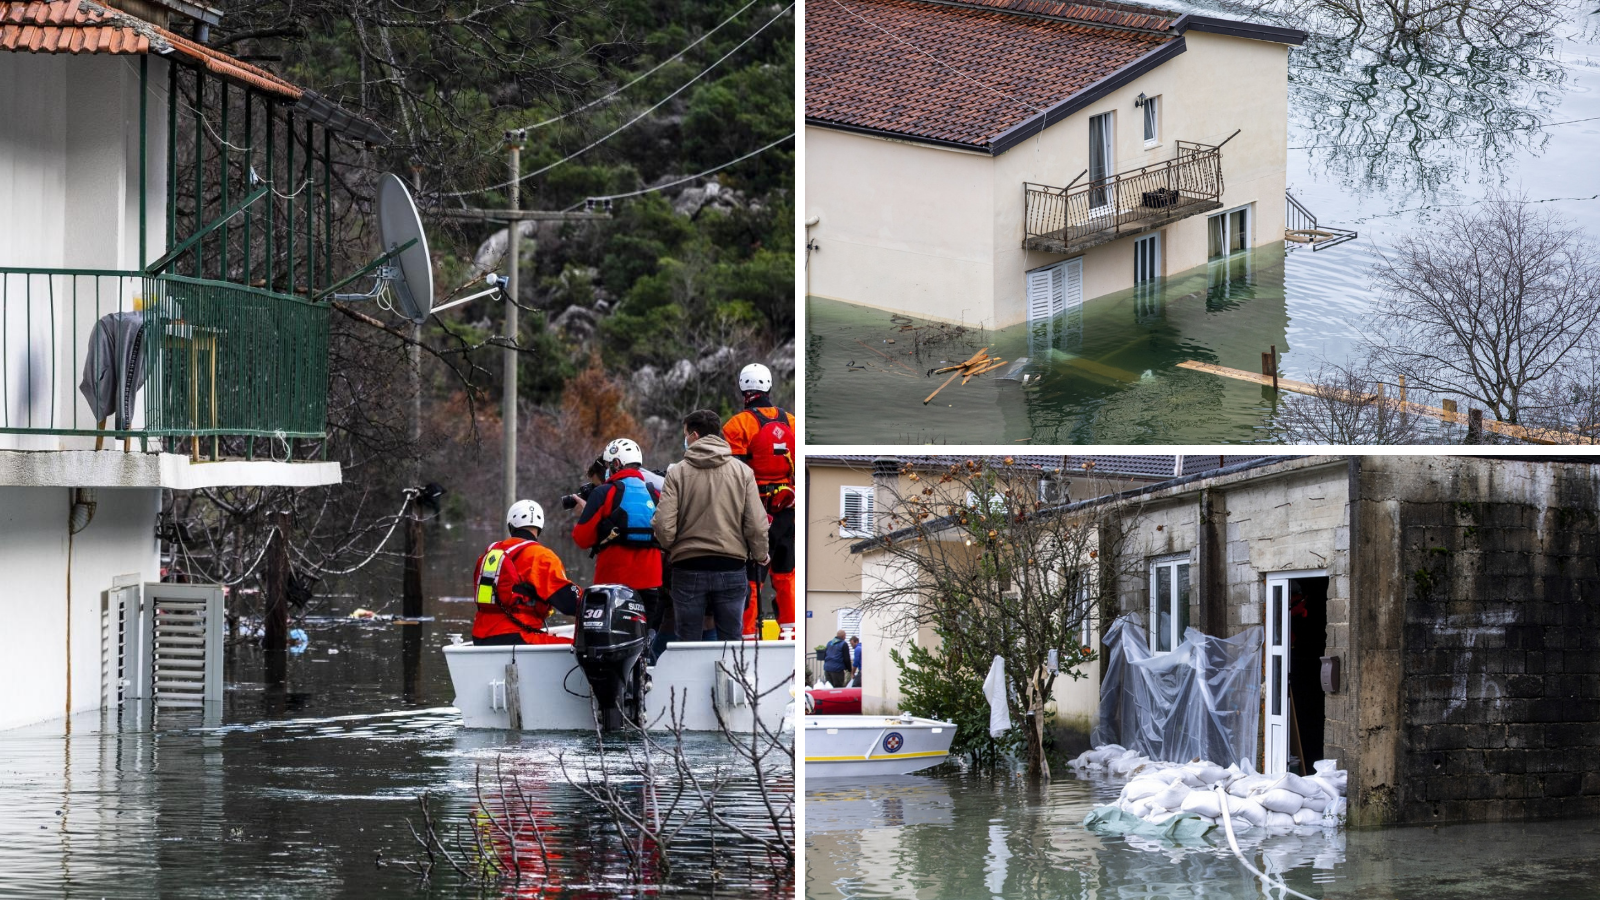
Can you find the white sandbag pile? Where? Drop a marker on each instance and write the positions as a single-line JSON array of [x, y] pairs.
[[1158, 791]]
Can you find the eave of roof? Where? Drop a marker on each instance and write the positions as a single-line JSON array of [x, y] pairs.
[[1098, 16], [85, 27], [1160, 487]]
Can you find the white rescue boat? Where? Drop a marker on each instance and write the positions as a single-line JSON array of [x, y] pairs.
[[543, 688], [869, 746]]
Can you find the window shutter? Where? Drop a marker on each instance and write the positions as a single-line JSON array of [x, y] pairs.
[[1039, 294], [850, 622], [856, 510], [1072, 284]]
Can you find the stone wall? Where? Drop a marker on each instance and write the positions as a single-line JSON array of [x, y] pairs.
[[1486, 661]]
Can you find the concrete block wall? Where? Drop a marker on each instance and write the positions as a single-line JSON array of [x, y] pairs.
[[1498, 678]]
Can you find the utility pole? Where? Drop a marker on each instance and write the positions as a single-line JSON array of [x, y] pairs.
[[411, 577], [508, 416]]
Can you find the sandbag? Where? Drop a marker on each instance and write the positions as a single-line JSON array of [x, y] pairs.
[[1140, 808], [1279, 821], [1301, 786], [1243, 786], [1173, 796], [1208, 774], [1329, 788], [1248, 810], [1202, 803], [1281, 800], [1140, 788], [1316, 804], [1307, 816]]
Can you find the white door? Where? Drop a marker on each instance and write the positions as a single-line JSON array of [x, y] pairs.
[[1101, 194], [1276, 692]]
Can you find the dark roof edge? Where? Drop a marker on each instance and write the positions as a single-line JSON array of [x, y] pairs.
[[1021, 131], [336, 118], [1235, 28], [898, 136], [1129, 494]]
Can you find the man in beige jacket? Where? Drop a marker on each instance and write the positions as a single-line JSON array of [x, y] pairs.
[[710, 522]]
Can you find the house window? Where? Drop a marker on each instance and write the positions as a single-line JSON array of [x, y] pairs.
[[1100, 157], [1169, 603], [1147, 258], [1228, 232], [855, 512], [1152, 134]]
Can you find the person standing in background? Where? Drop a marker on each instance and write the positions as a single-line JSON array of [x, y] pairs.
[[836, 661], [855, 661]]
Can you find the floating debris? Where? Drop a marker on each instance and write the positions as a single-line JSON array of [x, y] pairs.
[[975, 365]]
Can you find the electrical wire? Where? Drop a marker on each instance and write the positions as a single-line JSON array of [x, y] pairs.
[[662, 187], [628, 124], [695, 43]]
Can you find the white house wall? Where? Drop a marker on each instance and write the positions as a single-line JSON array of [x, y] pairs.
[[903, 226], [34, 602], [1217, 85], [69, 198]]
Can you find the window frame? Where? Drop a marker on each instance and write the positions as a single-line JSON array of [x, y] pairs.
[[869, 511], [1153, 240], [1178, 623], [1152, 122], [1225, 217], [1108, 148]]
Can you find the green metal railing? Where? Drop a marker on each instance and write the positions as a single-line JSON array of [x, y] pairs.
[[213, 359]]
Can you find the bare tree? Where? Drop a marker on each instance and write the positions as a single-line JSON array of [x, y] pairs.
[[1418, 24], [974, 553], [1352, 406], [1489, 303]]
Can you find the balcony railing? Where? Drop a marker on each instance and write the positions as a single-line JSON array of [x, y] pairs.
[[1073, 219], [96, 354]]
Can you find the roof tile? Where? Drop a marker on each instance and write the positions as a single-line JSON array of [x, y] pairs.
[[962, 71]]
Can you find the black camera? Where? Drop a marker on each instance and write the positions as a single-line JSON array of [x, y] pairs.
[[570, 501]]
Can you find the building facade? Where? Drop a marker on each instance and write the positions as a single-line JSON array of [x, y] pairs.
[[991, 162]]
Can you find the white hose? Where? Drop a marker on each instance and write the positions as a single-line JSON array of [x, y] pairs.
[[1227, 826]]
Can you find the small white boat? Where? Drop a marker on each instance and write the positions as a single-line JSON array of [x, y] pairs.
[[550, 692], [868, 746]]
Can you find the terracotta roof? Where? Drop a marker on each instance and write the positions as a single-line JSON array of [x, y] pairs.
[[81, 26], [886, 65]]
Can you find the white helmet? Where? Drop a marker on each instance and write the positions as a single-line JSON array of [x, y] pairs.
[[623, 452], [525, 514], [755, 377]]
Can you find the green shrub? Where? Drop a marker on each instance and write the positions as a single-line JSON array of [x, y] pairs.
[[938, 688]]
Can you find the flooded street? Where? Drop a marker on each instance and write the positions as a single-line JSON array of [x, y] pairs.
[[1376, 143], [968, 836], [305, 789]]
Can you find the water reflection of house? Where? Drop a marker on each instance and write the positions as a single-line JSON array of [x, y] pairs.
[[127, 368], [1428, 621], [998, 161]]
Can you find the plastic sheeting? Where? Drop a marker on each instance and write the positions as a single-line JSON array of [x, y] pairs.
[[1200, 701], [994, 688]]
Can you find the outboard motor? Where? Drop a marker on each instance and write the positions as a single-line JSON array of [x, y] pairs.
[[609, 643]]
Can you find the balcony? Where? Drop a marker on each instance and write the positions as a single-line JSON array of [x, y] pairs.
[[87, 355], [1073, 219]]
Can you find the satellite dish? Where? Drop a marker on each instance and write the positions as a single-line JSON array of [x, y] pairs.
[[399, 223]]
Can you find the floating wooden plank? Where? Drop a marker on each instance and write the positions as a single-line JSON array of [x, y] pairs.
[[941, 387], [1517, 432]]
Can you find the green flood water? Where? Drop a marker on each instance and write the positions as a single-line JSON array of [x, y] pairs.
[[967, 836], [1104, 373]]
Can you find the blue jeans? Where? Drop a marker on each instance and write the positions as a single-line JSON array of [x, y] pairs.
[[722, 595]]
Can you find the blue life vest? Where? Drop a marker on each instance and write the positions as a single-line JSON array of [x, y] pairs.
[[634, 514]]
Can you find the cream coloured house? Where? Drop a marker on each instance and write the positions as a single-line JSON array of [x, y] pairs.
[[992, 162]]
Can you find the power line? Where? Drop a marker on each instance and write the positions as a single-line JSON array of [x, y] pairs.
[[695, 43], [624, 126], [662, 187]]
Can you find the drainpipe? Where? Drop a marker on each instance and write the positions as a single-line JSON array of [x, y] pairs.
[[79, 514], [811, 246]]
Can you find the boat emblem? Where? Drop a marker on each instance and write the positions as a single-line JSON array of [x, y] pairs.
[[892, 742]]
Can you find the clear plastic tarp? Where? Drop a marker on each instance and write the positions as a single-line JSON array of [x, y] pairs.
[[1202, 700]]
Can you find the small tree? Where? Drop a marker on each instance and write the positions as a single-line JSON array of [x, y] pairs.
[[972, 552], [1489, 304]]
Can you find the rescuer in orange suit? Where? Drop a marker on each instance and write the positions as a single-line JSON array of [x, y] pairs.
[[520, 582], [763, 436]]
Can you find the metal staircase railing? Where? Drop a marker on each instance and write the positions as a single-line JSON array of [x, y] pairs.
[[1300, 227]]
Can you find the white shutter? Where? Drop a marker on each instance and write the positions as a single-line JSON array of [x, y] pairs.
[[855, 508], [188, 644], [850, 622], [1072, 287], [1040, 289]]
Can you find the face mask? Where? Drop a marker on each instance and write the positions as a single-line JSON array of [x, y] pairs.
[[686, 442]]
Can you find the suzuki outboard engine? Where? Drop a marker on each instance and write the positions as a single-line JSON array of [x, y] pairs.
[[609, 643]]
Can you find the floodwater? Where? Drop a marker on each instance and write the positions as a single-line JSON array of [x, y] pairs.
[[1377, 143], [306, 789], [968, 836]]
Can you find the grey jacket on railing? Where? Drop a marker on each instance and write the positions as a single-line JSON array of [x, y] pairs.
[[113, 366]]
